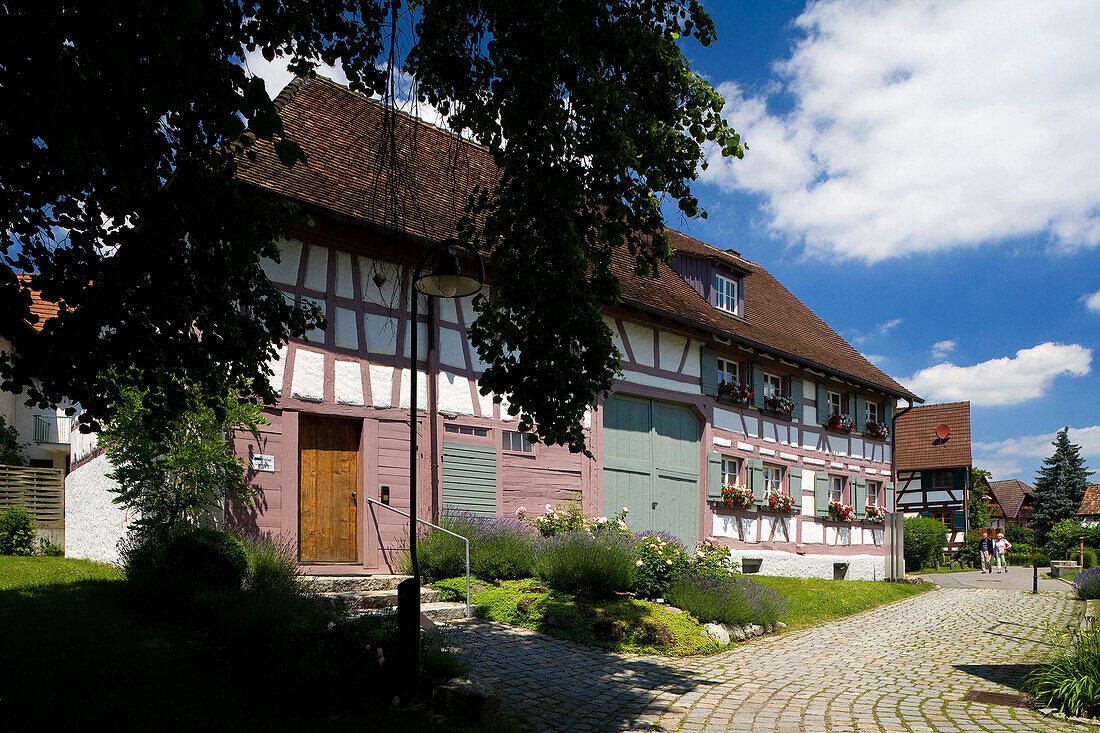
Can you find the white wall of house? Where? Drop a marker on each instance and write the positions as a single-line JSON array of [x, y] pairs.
[[55, 447], [93, 524]]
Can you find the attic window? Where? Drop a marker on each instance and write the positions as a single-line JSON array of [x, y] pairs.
[[725, 294]]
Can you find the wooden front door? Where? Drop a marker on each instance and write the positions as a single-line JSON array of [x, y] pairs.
[[328, 481]]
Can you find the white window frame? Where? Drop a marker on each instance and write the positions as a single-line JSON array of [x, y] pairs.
[[731, 470], [836, 489], [835, 405], [725, 293], [872, 412], [773, 385], [507, 442], [773, 480], [874, 493], [727, 371]]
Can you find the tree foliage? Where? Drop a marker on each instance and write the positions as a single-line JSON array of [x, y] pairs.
[[116, 180], [1059, 486], [176, 469], [11, 450], [980, 509]]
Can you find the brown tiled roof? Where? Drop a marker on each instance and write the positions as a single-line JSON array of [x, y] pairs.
[[1010, 495], [44, 309], [918, 446], [1091, 503], [346, 173]]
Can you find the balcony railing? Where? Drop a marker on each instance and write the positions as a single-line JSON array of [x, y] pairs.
[[52, 429]]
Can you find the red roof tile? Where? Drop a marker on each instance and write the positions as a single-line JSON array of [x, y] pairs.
[[1091, 503], [347, 172], [919, 447], [44, 309], [1010, 495]]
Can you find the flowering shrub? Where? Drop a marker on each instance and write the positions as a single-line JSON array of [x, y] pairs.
[[1087, 584], [840, 512], [659, 561], [501, 548], [557, 520], [727, 600], [877, 431], [742, 393], [876, 514], [597, 564], [781, 503], [711, 559], [779, 404], [841, 423], [736, 497]]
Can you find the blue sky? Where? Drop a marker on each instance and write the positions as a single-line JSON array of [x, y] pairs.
[[926, 177]]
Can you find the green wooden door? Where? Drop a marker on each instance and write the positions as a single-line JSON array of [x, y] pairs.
[[470, 478], [651, 465]]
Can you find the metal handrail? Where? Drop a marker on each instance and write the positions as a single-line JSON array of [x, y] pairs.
[[441, 529]]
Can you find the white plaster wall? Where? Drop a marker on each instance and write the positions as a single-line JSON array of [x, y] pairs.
[[316, 335], [317, 268], [691, 364], [612, 326], [381, 333], [381, 385], [728, 420], [385, 294], [629, 375], [670, 350], [813, 531], [348, 383], [451, 352], [308, 380], [347, 329], [421, 389], [791, 565], [290, 256], [344, 285], [641, 342], [278, 369], [454, 394], [93, 525]]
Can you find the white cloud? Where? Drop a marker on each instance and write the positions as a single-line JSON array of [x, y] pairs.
[[921, 126], [1004, 381], [941, 349], [876, 359], [880, 330], [1007, 458], [1092, 301]]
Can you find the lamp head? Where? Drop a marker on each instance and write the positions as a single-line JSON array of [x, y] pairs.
[[446, 279]]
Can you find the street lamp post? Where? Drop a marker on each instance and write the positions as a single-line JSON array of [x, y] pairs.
[[446, 279]]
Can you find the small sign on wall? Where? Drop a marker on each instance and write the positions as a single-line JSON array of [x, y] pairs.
[[263, 463]]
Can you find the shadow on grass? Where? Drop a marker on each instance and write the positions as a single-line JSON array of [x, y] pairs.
[[1009, 675], [79, 654]]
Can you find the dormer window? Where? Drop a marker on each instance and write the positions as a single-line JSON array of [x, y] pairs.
[[725, 294]]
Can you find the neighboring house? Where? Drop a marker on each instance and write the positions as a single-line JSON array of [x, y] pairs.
[[663, 442], [933, 465], [1011, 499], [45, 437], [1089, 511]]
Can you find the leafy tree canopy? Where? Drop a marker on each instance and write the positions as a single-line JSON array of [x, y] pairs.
[[1059, 486], [981, 511], [11, 450], [117, 157]]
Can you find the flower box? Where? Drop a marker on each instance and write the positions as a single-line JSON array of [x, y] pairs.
[[877, 431], [736, 497], [840, 512], [876, 514], [840, 423], [782, 503], [741, 394], [780, 405]]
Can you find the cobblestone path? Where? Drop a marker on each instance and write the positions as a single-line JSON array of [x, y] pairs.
[[901, 667]]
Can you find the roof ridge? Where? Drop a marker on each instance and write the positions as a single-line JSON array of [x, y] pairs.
[[290, 90]]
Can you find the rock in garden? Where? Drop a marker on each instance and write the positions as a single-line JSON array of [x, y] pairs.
[[736, 632], [769, 628], [718, 633], [656, 634], [780, 625], [673, 609], [757, 630], [537, 589], [523, 605], [476, 588], [465, 700], [555, 622], [610, 629]]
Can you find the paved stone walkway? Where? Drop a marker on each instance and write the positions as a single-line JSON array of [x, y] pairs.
[[1016, 578], [901, 667]]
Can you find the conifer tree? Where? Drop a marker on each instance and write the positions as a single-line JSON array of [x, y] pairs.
[[1060, 485]]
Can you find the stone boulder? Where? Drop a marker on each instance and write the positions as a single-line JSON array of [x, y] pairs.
[[718, 633], [736, 632], [465, 700]]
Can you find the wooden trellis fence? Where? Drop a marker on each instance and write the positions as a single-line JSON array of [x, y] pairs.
[[40, 490]]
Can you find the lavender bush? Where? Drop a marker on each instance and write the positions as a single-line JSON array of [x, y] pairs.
[[1087, 584], [727, 600], [501, 548], [591, 564]]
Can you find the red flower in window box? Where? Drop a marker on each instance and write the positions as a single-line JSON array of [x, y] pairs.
[[779, 404], [782, 503], [735, 392], [840, 423], [877, 431], [840, 512], [876, 514], [736, 497]]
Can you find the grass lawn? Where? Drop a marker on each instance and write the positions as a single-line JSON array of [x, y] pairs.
[[809, 601], [75, 653]]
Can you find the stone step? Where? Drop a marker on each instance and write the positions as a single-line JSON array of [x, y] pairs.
[[378, 598], [352, 583], [437, 611]]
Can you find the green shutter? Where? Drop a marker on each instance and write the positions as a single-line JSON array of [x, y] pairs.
[[822, 404], [470, 478], [861, 414], [794, 483], [959, 481], [757, 375], [926, 480], [889, 486], [851, 406], [821, 493], [958, 520], [756, 479], [714, 476], [708, 371], [859, 497], [796, 398], [888, 414]]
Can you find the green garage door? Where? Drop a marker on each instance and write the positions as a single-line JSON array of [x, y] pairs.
[[651, 465]]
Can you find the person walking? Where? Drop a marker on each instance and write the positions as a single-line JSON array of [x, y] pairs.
[[1000, 547], [985, 551]]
